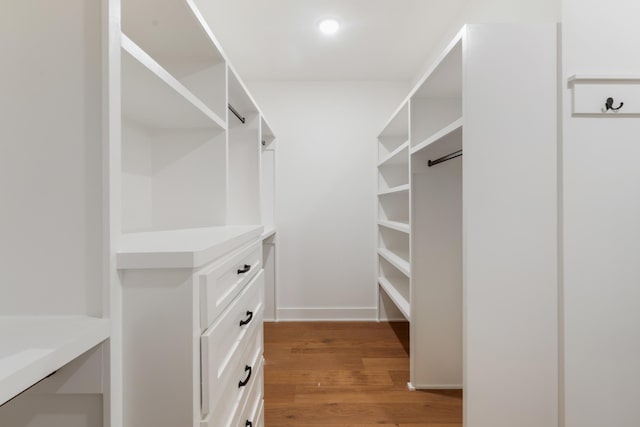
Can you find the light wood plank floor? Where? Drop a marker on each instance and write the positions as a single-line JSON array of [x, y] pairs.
[[347, 375]]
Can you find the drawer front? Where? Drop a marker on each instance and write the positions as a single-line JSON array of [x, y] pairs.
[[220, 284], [229, 403], [230, 344], [248, 416]]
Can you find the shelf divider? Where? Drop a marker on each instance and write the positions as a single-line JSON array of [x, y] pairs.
[[398, 189], [447, 130], [158, 98], [396, 296], [33, 347], [396, 225], [398, 262]]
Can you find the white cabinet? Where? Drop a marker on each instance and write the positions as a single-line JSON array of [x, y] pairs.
[[197, 193], [192, 347], [468, 243]]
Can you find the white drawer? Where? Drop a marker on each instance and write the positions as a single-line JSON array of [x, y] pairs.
[[231, 402], [251, 406], [221, 283], [231, 344]]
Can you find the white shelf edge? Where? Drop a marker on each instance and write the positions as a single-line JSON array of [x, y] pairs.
[[447, 130], [148, 62], [394, 153], [181, 248], [577, 78], [268, 233], [403, 104], [44, 345], [403, 305], [398, 189], [395, 225], [402, 265]]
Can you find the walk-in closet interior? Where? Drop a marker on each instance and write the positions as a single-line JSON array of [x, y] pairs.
[[219, 213]]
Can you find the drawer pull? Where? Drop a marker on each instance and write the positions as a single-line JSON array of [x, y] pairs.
[[248, 319], [243, 383], [248, 424], [244, 269]]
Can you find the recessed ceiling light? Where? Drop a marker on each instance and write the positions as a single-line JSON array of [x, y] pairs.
[[329, 26]]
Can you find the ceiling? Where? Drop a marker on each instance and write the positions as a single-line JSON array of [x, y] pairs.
[[378, 40]]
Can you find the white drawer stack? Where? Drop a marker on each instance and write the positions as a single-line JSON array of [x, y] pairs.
[[232, 341], [193, 341]]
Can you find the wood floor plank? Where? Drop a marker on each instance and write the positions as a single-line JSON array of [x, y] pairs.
[[348, 375]]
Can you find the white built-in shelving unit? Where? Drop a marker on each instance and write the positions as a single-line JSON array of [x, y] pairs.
[[467, 197], [119, 132], [420, 224]]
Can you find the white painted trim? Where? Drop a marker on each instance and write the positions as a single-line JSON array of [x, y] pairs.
[[436, 387], [336, 314]]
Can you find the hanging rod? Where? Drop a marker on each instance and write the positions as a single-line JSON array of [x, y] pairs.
[[444, 158], [235, 113]]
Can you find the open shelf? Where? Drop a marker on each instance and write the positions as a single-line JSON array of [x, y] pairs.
[[153, 97], [437, 101], [395, 225], [35, 347], [398, 293], [399, 156], [175, 35], [395, 133], [396, 260], [188, 248], [452, 131], [394, 190], [394, 207]]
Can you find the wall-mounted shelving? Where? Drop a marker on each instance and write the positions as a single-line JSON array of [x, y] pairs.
[[35, 347], [174, 34]]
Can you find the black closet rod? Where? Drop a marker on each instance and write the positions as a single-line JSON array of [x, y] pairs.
[[444, 158], [235, 113]]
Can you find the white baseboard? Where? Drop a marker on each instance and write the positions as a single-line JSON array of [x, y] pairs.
[[414, 387], [366, 314]]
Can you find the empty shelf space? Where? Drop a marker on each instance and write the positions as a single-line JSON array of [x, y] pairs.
[[396, 260], [453, 130], [399, 156], [35, 347], [394, 190], [187, 248], [153, 97], [395, 225], [398, 292]]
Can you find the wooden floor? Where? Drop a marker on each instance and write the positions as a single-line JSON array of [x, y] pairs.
[[347, 374]]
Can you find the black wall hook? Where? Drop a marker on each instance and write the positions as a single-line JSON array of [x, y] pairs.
[[609, 105]]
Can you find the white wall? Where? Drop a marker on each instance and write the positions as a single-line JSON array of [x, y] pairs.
[[601, 225], [326, 147], [495, 11]]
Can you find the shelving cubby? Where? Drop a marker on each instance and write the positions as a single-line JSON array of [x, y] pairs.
[[176, 36], [437, 102], [394, 247], [396, 285], [54, 324], [173, 150], [244, 156]]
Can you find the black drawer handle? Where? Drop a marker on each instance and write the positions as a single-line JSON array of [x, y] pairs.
[[248, 319], [247, 368], [248, 424], [244, 269]]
